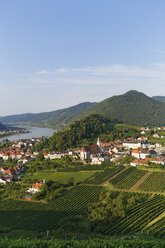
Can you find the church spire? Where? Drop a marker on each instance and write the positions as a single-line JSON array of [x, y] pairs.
[[99, 143]]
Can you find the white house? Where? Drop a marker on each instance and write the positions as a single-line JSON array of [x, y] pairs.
[[35, 187], [142, 154], [99, 160], [129, 144]]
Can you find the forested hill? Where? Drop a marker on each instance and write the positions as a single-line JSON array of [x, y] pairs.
[[3, 127], [78, 133], [56, 119], [159, 98], [133, 108]]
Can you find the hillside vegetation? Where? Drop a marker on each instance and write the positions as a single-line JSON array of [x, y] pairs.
[[55, 119], [133, 108], [78, 133]]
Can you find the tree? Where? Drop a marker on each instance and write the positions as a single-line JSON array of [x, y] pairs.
[[40, 157]]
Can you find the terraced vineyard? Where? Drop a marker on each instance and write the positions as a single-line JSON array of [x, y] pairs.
[[157, 229], [101, 177], [39, 217], [155, 182], [138, 218], [128, 178]]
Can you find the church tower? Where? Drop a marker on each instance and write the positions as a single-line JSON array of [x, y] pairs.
[[99, 144]]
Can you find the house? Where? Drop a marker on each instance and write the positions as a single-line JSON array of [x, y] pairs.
[[3, 181], [156, 160], [155, 135], [140, 153], [143, 138], [24, 159], [145, 153], [145, 129], [136, 153], [35, 187], [145, 145], [106, 146], [158, 145], [5, 156], [10, 171], [45, 154], [116, 149], [132, 144], [28, 197], [99, 160]]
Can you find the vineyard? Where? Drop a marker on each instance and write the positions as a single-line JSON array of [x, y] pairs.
[[157, 229], [139, 217], [101, 177], [155, 182], [146, 216], [40, 217], [127, 178]]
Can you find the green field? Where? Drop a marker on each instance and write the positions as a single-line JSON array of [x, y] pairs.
[[62, 177]]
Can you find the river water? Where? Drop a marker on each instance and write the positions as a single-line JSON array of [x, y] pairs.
[[34, 132]]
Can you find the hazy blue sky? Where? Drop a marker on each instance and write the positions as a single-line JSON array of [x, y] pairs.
[[57, 53]]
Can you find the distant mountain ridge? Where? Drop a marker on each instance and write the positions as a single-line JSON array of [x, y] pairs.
[[133, 108], [55, 119], [159, 98]]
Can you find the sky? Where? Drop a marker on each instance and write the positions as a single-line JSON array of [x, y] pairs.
[[58, 53]]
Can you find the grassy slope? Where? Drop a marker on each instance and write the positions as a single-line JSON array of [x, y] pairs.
[[61, 177]]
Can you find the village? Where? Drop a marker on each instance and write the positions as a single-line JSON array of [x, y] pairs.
[[13, 131], [142, 152]]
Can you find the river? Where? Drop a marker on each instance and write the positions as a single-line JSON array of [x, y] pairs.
[[34, 132]]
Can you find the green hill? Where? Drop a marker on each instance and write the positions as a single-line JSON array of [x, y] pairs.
[[133, 108], [78, 133], [55, 119]]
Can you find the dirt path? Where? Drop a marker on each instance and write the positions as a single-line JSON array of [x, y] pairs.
[[140, 181], [155, 220], [114, 176]]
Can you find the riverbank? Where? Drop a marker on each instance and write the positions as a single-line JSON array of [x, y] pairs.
[[32, 132]]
